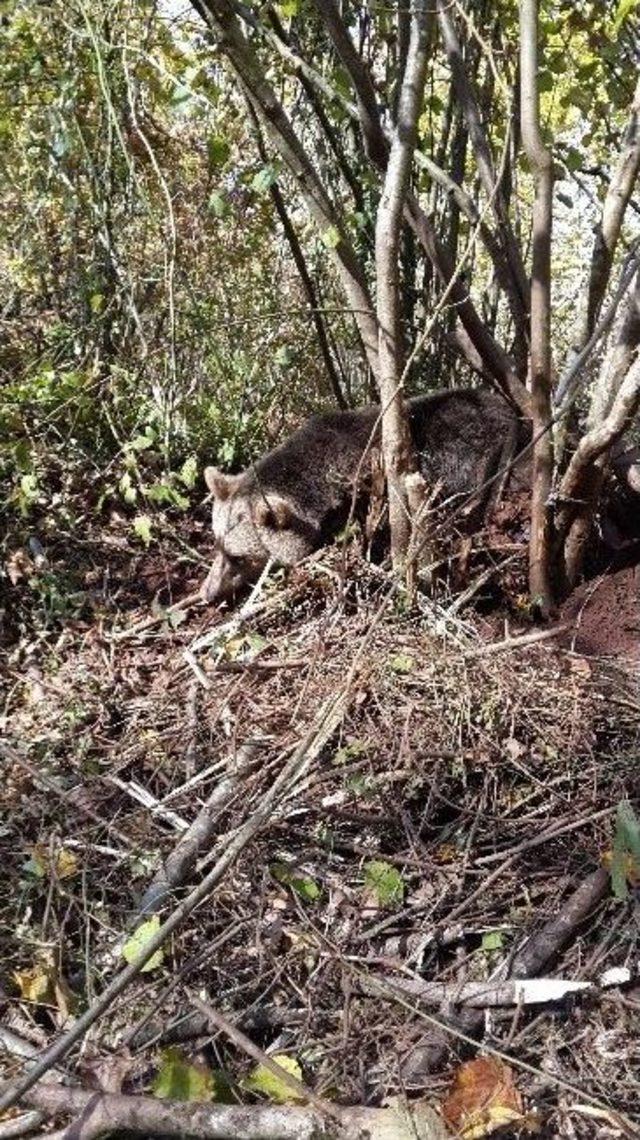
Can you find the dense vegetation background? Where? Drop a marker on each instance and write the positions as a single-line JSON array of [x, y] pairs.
[[152, 309]]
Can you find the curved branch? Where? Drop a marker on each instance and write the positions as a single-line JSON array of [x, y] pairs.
[[566, 388], [617, 363], [303, 271], [220, 17], [601, 438], [308, 78], [516, 284], [615, 204]]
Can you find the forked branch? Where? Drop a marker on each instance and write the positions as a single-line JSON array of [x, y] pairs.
[[623, 180]]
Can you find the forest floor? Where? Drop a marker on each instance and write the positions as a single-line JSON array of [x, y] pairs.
[[405, 819]]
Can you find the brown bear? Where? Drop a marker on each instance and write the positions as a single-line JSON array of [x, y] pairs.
[[298, 496]]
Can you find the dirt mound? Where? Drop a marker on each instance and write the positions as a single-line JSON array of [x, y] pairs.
[[604, 616]]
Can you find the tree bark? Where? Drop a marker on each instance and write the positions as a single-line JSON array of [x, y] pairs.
[[397, 448], [540, 364], [617, 363], [375, 144]]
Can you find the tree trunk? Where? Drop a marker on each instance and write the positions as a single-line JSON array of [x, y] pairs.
[[397, 447], [513, 274], [540, 364]]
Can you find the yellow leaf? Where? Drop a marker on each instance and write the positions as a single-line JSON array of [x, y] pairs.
[[66, 863], [139, 939], [62, 863], [43, 984], [629, 865], [36, 985], [447, 853], [262, 1080]]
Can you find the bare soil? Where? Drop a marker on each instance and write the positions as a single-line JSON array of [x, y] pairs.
[[605, 617]]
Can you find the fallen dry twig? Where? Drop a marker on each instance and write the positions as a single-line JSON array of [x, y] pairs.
[[99, 1114], [147, 623], [486, 995], [314, 740], [176, 867], [521, 642], [545, 945]]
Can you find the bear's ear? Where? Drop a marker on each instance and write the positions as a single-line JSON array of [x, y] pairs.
[[218, 483], [275, 512]]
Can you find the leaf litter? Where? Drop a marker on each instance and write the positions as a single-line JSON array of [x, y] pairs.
[[457, 806]]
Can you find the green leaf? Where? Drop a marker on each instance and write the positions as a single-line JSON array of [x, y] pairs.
[[625, 857], [142, 528], [28, 493], [629, 827], [492, 940], [619, 884], [288, 8], [402, 663], [360, 220], [164, 492], [179, 1079], [358, 784], [623, 11], [262, 182], [218, 205], [175, 618], [218, 150], [342, 82], [284, 356], [142, 442], [189, 472], [134, 946], [574, 159], [331, 237], [96, 302], [349, 751], [306, 888], [261, 1080], [384, 881], [126, 488]]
